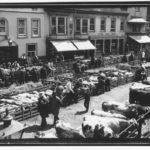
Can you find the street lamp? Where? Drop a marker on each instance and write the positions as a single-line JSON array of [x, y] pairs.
[[10, 42]]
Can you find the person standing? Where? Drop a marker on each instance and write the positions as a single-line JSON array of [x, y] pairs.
[[124, 59], [143, 74], [43, 108], [43, 72], [22, 75], [101, 83], [107, 84], [55, 102], [86, 95], [23, 59], [51, 68], [92, 61], [61, 57], [69, 92], [77, 89], [16, 64], [143, 56], [131, 57]]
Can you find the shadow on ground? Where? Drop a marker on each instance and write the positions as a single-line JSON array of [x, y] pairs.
[[36, 128]]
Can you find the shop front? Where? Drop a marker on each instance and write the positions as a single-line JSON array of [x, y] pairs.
[[107, 46], [8, 52], [69, 49], [138, 44]]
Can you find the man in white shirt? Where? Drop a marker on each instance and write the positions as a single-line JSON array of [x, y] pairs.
[[52, 68], [143, 55], [69, 92]]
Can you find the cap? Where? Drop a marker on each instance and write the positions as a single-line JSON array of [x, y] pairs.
[[59, 89]]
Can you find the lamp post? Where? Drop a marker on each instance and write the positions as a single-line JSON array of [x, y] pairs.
[[10, 42]]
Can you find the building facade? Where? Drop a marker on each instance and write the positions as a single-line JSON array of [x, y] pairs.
[[24, 28], [105, 30], [47, 32], [137, 38]]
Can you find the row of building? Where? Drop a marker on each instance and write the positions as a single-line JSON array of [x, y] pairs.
[[47, 32]]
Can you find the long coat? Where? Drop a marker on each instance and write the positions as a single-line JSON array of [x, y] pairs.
[[43, 107], [54, 104]]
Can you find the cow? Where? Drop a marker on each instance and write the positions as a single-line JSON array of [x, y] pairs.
[[65, 130], [128, 110], [105, 127], [106, 114]]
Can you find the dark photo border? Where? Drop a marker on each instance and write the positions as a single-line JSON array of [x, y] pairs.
[[75, 142]]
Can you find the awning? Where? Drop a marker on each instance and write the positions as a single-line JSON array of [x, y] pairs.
[[141, 39], [63, 46], [84, 45], [137, 20]]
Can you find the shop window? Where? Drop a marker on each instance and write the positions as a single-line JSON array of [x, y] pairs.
[[107, 47], [78, 26], [137, 9], [136, 28], [124, 9], [35, 25], [99, 45], [92, 24], [114, 46], [3, 26], [120, 46], [34, 9], [84, 26], [31, 50], [113, 25], [58, 25], [103, 24], [22, 27], [81, 26]]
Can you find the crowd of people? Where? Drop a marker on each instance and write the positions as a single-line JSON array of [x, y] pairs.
[[141, 73], [79, 67], [20, 72], [69, 94], [52, 104]]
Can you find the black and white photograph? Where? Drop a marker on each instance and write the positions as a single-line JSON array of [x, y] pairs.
[[75, 73]]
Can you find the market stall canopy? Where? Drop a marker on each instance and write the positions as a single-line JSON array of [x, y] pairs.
[[84, 45], [137, 20], [64, 46], [141, 38]]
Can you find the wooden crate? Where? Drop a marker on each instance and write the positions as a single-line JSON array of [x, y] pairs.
[[130, 79], [113, 83]]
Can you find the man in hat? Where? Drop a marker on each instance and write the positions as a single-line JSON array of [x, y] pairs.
[[101, 83], [43, 108], [77, 89], [86, 94], [55, 102]]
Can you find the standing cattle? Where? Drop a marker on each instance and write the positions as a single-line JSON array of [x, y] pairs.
[[100, 127]]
